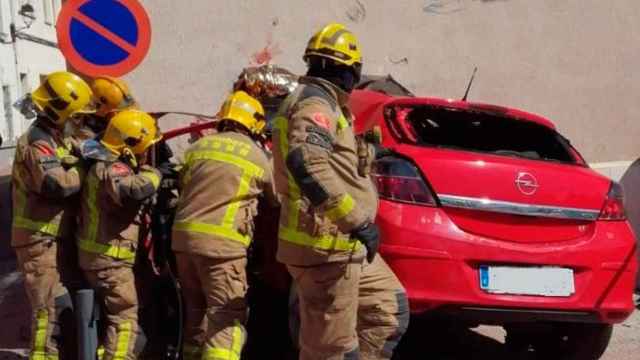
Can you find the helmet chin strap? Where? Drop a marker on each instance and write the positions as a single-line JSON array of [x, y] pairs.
[[129, 158]]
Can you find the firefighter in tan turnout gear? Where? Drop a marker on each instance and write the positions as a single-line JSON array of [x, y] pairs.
[[111, 95], [349, 308], [44, 178], [221, 180], [108, 231]]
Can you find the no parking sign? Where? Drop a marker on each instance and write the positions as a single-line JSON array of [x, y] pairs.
[[104, 37]]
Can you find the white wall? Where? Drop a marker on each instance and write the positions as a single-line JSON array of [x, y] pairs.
[[33, 60], [573, 61]]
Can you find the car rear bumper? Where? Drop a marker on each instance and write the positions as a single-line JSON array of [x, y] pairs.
[[497, 316], [438, 265]]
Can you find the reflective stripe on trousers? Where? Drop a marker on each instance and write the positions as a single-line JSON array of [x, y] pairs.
[[122, 344], [38, 350], [226, 228], [228, 354], [89, 242], [290, 232]]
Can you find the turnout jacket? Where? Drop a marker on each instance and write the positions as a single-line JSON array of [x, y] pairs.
[[43, 185], [221, 180], [324, 197], [110, 213]]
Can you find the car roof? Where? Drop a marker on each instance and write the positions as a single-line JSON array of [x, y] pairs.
[[368, 98]]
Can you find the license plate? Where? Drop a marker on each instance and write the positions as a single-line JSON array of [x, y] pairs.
[[538, 281]]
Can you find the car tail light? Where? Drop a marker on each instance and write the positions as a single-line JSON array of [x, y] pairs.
[[613, 208], [399, 180]]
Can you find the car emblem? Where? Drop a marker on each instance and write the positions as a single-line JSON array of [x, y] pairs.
[[526, 183]]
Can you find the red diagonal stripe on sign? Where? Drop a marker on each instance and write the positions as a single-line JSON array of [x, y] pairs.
[[104, 32]]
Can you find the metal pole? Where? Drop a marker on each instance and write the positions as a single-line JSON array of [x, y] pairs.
[[14, 44], [86, 324]]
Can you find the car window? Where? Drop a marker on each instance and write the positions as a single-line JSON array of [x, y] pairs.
[[482, 132]]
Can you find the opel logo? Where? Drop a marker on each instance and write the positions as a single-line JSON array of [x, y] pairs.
[[526, 183]]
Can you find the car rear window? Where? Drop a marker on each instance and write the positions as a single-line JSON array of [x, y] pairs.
[[488, 133]]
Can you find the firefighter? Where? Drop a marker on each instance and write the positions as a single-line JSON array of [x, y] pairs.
[[44, 178], [110, 213], [349, 308], [223, 176], [111, 95]]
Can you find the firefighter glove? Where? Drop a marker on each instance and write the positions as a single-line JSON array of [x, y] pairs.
[[168, 170], [369, 235]]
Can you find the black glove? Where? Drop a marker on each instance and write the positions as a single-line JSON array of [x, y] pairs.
[[168, 170], [369, 235], [169, 175], [164, 152]]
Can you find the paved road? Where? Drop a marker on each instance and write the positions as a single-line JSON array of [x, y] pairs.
[[435, 342], [487, 343]]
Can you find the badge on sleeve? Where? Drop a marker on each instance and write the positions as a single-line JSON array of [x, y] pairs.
[[44, 149], [120, 169], [321, 120]]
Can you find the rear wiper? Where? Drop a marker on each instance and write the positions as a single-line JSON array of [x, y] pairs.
[[514, 154]]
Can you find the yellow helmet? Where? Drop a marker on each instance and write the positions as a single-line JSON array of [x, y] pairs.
[[335, 42], [131, 130], [111, 94], [63, 95], [244, 109]]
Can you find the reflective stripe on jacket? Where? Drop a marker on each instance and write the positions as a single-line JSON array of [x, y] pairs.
[[42, 186], [221, 180], [109, 219], [316, 172]]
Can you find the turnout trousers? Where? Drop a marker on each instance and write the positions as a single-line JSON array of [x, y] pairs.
[[116, 290], [349, 310], [47, 295], [214, 292]]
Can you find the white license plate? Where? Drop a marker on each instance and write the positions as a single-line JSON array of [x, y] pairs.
[[539, 281]]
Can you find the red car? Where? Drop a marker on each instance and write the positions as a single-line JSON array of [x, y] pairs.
[[488, 214]]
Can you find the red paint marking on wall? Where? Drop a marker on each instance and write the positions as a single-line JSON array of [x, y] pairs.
[[266, 54]]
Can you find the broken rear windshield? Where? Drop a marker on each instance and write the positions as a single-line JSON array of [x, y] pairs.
[[488, 133]]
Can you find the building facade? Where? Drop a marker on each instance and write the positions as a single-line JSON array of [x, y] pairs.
[[572, 61], [28, 51]]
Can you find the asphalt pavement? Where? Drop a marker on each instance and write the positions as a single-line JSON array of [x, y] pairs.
[[445, 341], [425, 340]]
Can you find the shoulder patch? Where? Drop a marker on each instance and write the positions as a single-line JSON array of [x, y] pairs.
[[119, 169], [321, 120], [311, 90], [44, 148]]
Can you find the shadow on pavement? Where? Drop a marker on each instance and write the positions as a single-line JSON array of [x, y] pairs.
[[11, 355], [6, 253], [443, 340], [14, 311]]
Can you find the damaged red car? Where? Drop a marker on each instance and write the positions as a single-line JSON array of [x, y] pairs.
[[490, 215]]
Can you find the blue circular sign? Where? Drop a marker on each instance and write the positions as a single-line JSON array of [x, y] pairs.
[[104, 37]]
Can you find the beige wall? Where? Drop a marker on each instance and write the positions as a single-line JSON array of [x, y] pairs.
[[574, 61]]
